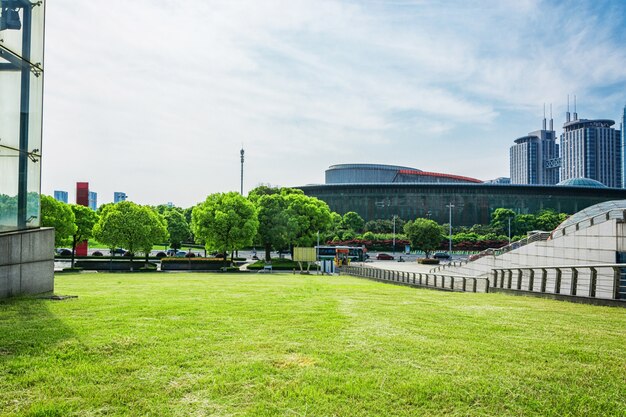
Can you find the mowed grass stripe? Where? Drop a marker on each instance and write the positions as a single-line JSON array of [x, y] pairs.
[[282, 344]]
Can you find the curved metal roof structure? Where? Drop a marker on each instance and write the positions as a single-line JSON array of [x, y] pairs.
[[615, 209], [581, 182]]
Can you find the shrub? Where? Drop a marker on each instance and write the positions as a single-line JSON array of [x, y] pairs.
[[428, 261]]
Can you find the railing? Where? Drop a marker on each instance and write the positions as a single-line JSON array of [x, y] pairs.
[[535, 237], [570, 280], [446, 282]]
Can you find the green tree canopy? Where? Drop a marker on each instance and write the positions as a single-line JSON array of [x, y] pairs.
[[60, 216], [424, 234], [225, 221], [352, 221], [273, 229], [85, 220], [130, 226], [177, 227], [306, 216]]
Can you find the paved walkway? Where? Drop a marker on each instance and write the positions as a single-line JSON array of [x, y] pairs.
[[408, 266]]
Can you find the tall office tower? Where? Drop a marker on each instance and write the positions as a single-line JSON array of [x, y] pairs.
[[534, 159], [60, 196], [93, 200], [623, 144], [119, 196], [591, 149]]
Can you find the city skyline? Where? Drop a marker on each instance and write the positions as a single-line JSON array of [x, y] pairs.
[[157, 96]]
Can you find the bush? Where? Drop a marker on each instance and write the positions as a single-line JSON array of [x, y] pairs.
[[277, 264], [97, 253], [428, 261]]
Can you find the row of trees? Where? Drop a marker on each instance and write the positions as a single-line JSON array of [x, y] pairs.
[[275, 218]]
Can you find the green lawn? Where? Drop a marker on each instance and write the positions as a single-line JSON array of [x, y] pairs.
[[287, 345]]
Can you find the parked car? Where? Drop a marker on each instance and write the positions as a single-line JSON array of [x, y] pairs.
[[64, 252], [441, 255], [118, 251], [180, 254], [384, 257], [171, 252]]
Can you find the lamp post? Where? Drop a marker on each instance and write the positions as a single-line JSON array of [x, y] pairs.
[[509, 230], [394, 234], [450, 206]]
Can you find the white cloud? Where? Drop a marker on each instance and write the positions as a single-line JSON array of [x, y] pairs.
[[155, 98]]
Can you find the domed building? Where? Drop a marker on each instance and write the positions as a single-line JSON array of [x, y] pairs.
[[581, 182], [379, 191]]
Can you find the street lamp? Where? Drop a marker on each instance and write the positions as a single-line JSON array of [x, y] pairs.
[[394, 234], [509, 230], [450, 206]]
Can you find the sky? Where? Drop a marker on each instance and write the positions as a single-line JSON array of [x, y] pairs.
[[156, 98]]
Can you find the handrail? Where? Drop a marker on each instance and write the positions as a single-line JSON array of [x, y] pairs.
[[447, 282], [503, 278]]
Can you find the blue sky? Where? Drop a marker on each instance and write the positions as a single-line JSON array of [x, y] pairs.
[[155, 98]]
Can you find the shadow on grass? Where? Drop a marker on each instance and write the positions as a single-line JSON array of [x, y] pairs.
[[27, 327]]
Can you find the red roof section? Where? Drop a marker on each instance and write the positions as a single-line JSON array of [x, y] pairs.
[[438, 175]]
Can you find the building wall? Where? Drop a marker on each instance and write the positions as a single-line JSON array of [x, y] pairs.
[[26, 262], [474, 203], [592, 149], [61, 196], [597, 244]]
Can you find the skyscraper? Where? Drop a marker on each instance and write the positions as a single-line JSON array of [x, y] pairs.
[[591, 149], [119, 196], [534, 158], [60, 196]]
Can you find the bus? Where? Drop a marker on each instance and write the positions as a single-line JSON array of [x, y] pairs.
[[341, 253]]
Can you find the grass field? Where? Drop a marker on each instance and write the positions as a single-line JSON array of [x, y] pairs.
[[286, 345]]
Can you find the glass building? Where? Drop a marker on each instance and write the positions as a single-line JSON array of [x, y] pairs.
[[61, 196], [534, 159], [591, 149], [119, 196], [473, 202], [21, 90]]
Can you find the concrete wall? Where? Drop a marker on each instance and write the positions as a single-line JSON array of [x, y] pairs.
[[596, 244], [26, 262]]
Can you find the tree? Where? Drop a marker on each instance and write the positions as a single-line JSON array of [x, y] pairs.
[[177, 227], [273, 229], [225, 221], [500, 220], [156, 231], [424, 234], [85, 220], [306, 216], [352, 221], [60, 216], [130, 226], [548, 220]]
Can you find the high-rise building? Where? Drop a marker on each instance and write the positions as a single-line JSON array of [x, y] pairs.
[[534, 159], [591, 149], [60, 196], [119, 196], [93, 200]]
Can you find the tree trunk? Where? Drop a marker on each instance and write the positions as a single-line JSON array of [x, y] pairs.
[[268, 252], [73, 251]]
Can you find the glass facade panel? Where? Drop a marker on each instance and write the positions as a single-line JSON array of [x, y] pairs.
[[21, 91], [21, 29]]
